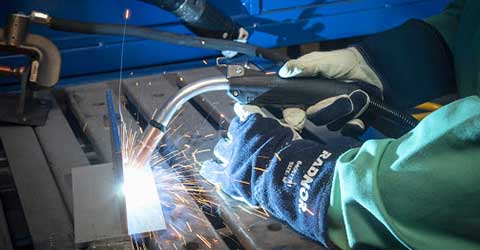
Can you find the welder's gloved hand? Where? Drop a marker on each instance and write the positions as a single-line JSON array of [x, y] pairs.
[[344, 64], [295, 122], [404, 66], [262, 164]]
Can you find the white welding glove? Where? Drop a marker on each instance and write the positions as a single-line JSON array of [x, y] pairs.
[[243, 111], [344, 64]]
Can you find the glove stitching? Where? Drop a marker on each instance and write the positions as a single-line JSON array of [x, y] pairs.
[[365, 106]]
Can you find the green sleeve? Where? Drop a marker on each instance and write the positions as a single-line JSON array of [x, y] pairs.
[[447, 21], [420, 191]]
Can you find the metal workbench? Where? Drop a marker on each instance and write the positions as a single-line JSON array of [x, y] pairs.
[[39, 160]]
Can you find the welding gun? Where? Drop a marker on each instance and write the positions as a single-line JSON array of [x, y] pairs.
[[268, 90]]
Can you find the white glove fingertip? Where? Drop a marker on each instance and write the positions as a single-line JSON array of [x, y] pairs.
[[295, 118], [290, 69], [243, 111]]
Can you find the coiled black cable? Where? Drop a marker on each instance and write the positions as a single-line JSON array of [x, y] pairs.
[[402, 122]]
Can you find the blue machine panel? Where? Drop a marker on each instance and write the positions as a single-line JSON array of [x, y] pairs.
[[272, 23]]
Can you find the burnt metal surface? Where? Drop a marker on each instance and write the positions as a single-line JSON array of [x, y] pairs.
[[89, 108], [254, 229], [46, 214]]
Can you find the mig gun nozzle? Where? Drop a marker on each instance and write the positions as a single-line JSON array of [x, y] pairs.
[[153, 134]]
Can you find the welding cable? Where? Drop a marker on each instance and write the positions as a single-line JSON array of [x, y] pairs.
[[399, 123], [167, 37]]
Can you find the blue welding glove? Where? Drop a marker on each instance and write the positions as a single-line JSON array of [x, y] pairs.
[[262, 164]]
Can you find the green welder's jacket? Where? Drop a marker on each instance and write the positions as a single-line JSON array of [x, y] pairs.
[[421, 191]]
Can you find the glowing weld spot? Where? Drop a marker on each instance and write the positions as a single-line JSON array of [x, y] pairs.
[[144, 210]]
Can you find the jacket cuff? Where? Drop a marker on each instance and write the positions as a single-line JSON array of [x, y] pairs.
[[413, 62]]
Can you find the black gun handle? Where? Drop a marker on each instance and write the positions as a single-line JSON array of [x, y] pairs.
[[271, 90]]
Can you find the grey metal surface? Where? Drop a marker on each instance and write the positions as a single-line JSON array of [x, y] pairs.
[[253, 230], [96, 204], [259, 230], [87, 100], [46, 214], [5, 241], [121, 245], [61, 149]]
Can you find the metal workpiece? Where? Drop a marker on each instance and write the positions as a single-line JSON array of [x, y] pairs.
[[97, 213]]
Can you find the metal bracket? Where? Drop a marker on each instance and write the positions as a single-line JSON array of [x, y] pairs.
[[238, 70], [23, 108]]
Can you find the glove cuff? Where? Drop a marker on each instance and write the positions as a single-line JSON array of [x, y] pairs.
[[413, 62]]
